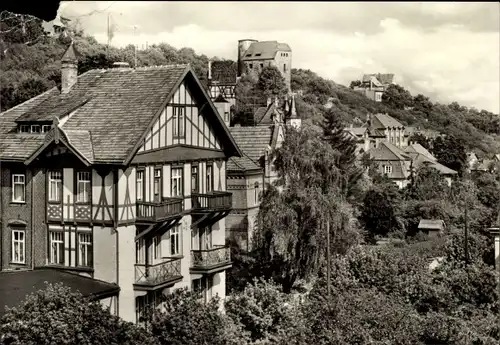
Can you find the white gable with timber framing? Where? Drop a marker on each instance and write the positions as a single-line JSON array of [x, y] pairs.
[[181, 123]]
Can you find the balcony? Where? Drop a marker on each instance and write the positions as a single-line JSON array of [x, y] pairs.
[[153, 212], [152, 277], [211, 260], [211, 202]]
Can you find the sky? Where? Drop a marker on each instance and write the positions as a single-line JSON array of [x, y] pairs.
[[448, 51]]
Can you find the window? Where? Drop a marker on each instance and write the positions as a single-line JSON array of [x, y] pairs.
[[261, 66], [85, 249], [258, 54], [175, 246], [83, 186], [46, 128], [178, 122], [25, 129], [210, 181], [18, 247], [226, 116], [157, 185], [387, 169], [157, 247], [194, 179], [176, 182], [18, 188], [250, 66], [36, 129], [56, 247], [284, 67], [55, 186], [140, 185], [140, 257]]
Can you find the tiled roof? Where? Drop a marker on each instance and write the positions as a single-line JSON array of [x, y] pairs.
[[420, 149], [384, 121], [15, 286], [383, 78], [264, 50], [259, 114], [224, 72], [115, 106], [253, 141], [420, 160], [242, 164], [387, 151], [358, 131], [82, 141], [497, 157], [431, 224]]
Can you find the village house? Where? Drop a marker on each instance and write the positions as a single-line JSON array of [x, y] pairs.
[[373, 86], [115, 183], [387, 143]]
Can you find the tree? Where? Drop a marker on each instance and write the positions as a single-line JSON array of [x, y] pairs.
[[345, 147], [271, 83], [355, 83], [450, 152], [380, 209], [185, 320], [427, 184], [420, 139], [397, 97], [55, 315], [290, 239], [263, 310]]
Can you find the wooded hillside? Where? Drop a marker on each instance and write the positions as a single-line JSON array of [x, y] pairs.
[[30, 64]]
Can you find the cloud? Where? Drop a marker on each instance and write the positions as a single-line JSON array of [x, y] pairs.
[[451, 59]]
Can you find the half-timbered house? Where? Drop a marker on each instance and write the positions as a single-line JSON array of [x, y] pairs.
[[118, 175]]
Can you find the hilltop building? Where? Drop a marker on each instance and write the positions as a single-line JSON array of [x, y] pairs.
[[373, 86], [253, 56], [115, 183]]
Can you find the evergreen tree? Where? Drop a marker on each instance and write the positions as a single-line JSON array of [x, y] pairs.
[[338, 139]]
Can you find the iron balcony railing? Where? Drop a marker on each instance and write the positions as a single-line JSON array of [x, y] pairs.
[[158, 211], [206, 258], [211, 201], [160, 273]]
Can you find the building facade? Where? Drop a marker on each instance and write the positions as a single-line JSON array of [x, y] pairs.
[[120, 175], [253, 56], [373, 86]]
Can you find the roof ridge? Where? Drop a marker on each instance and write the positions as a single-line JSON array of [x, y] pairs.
[[28, 101]]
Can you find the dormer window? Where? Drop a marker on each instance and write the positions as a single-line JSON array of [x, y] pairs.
[[35, 127], [258, 54]]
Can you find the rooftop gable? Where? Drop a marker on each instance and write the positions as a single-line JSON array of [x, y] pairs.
[[115, 106], [264, 50], [385, 121]]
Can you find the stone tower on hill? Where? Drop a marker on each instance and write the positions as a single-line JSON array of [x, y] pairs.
[[253, 56]]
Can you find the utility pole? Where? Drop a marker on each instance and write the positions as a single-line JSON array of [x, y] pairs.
[[108, 29], [466, 236], [328, 282]]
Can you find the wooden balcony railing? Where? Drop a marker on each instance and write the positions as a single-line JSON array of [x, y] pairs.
[[211, 201], [158, 211], [217, 256], [158, 274]]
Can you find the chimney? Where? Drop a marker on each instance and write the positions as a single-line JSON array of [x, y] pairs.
[[69, 69], [209, 69]]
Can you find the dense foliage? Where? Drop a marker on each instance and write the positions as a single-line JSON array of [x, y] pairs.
[[56, 315]]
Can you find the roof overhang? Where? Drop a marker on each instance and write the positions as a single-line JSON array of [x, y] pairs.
[[56, 135]]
